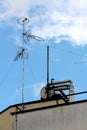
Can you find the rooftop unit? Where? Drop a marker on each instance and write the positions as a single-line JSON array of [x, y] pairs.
[[62, 90]]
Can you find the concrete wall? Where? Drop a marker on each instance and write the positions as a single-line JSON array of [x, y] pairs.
[[67, 117], [6, 119]]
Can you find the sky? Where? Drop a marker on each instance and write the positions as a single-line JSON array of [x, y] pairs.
[[63, 26]]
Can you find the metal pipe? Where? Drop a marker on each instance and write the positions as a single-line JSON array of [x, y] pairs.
[[61, 86], [47, 72], [47, 65], [65, 98], [23, 68], [58, 89], [77, 93], [60, 82]]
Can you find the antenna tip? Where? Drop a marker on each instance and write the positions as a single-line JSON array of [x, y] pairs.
[[23, 20]]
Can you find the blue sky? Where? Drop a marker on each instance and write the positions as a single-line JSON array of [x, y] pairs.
[[63, 25]]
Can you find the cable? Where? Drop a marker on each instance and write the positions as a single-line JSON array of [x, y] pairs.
[[80, 62], [6, 75], [32, 71], [19, 80], [68, 51]]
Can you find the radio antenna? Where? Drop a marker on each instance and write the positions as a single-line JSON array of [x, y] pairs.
[[22, 21], [24, 51]]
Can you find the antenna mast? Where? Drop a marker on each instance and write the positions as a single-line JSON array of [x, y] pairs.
[[24, 51], [23, 22]]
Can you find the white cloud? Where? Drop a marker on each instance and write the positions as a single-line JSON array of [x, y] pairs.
[[35, 89], [58, 19], [17, 40], [13, 8], [15, 95]]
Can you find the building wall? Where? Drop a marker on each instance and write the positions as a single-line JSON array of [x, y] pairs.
[[6, 119], [65, 117]]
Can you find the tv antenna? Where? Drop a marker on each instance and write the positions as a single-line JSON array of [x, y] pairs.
[[23, 52]]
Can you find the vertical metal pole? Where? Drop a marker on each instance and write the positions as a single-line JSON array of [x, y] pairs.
[[71, 91], [47, 72], [23, 70], [22, 21], [16, 119], [47, 65]]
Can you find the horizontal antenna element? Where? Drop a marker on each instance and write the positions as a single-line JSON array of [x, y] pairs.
[[31, 36]]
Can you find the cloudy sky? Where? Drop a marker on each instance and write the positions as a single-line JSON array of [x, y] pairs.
[[63, 25]]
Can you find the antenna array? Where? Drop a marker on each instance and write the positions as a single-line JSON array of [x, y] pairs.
[[24, 51]]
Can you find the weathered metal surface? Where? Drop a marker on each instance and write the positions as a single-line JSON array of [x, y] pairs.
[[67, 117]]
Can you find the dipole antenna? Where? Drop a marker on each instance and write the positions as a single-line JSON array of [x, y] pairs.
[[24, 51]]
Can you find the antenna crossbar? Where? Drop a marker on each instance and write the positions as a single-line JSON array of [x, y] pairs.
[[31, 36]]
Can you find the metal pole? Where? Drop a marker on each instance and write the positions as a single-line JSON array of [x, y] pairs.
[[23, 69], [47, 65], [22, 21], [47, 72]]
